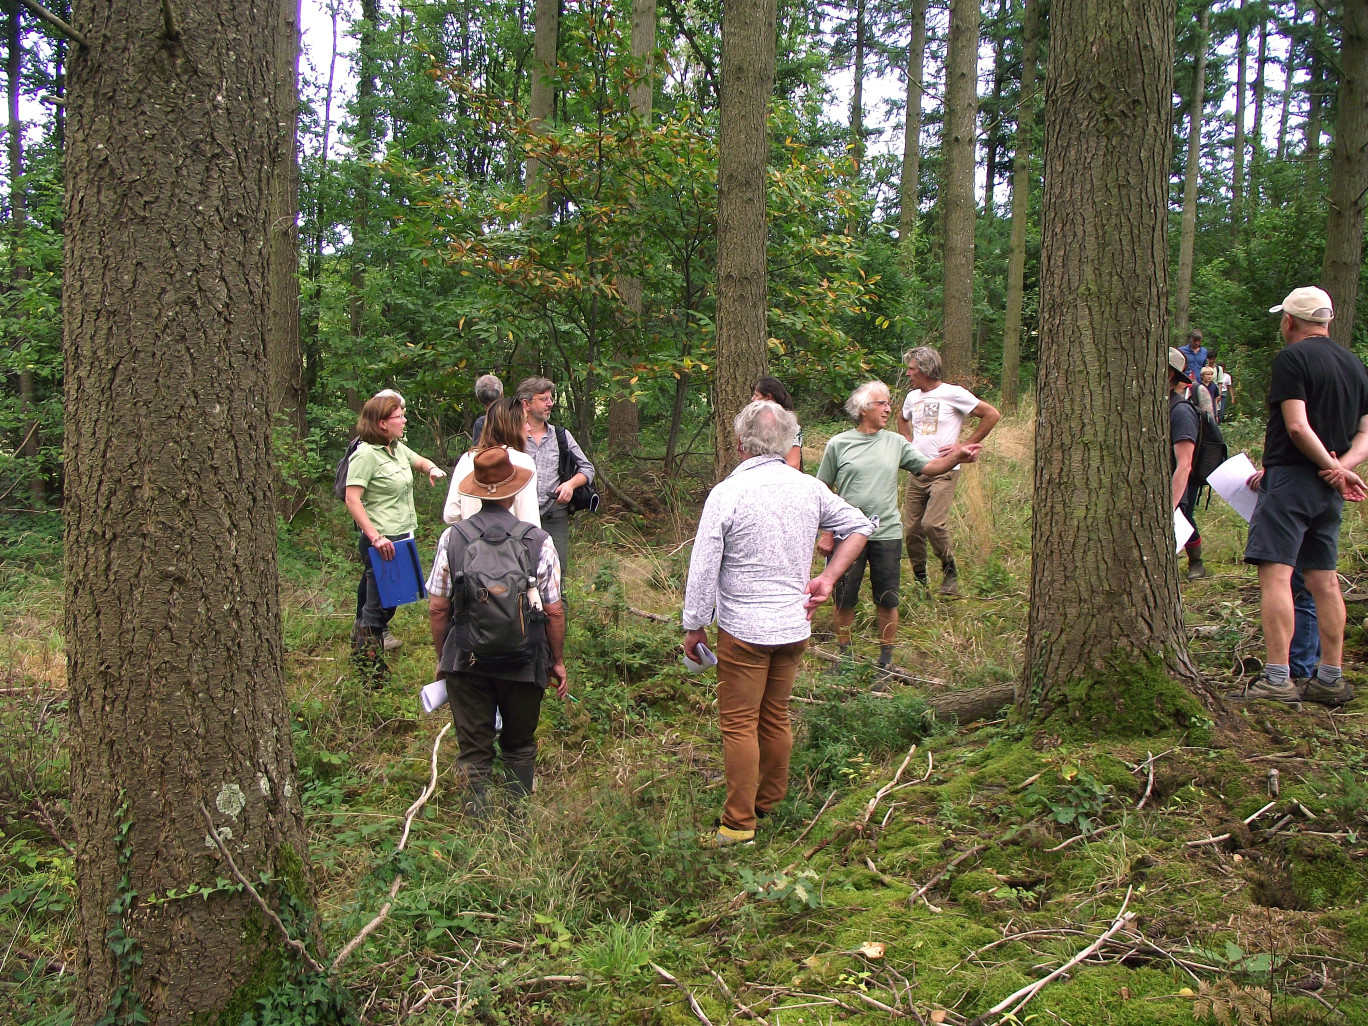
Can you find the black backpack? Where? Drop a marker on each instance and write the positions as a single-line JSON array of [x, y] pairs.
[[1210, 451], [585, 496], [496, 616], [344, 465]]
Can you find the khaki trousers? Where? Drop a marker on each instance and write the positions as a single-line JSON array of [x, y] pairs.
[[927, 517], [753, 687]]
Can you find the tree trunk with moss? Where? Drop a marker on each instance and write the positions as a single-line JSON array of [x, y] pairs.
[[748, 39], [1104, 615], [174, 651], [957, 197]]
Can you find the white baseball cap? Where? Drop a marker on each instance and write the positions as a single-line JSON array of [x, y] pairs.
[[1307, 304]]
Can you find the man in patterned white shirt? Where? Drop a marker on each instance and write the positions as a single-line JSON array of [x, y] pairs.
[[751, 571], [515, 690]]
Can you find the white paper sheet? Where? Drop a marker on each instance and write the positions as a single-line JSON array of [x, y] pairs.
[[1182, 529], [706, 654], [1228, 481], [434, 696]]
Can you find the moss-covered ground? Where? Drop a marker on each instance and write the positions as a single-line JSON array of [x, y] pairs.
[[564, 915]]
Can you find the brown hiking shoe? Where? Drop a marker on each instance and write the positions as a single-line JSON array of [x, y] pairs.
[[1316, 690]]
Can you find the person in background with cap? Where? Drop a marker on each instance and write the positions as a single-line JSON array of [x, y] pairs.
[[1317, 434], [1184, 431], [515, 691]]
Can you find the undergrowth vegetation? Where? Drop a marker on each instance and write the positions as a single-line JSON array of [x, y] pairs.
[[919, 869]]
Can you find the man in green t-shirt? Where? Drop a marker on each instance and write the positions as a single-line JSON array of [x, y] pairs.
[[861, 466]]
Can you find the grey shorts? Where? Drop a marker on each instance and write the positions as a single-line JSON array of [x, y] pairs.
[[1296, 522], [884, 559]]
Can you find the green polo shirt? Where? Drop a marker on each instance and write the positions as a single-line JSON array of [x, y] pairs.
[[863, 470], [386, 474]]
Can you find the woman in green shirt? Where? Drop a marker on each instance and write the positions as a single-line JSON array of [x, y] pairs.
[[380, 500]]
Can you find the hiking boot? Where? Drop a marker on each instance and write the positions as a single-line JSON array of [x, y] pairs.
[[726, 837], [950, 584], [1263, 690], [1316, 690], [391, 642], [919, 575]]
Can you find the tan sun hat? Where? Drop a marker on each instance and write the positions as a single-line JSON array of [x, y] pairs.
[[1179, 365], [494, 476], [1307, 304]]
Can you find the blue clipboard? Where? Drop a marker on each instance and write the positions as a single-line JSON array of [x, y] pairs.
[[400, 579]]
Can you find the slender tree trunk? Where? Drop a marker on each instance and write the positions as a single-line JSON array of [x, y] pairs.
[[1188, 230], [1315, 87], [312, 350], [993, 143], [174, 652], [59, 52], [857, 87], [957, 199], [1237, 182], [1104, 612], [1259, 152], [748, 41], [282, 339], [623, 419], [909, 189], [1348, 173], [1021, 202], [1289, 73], [367, 133], [542, 99]]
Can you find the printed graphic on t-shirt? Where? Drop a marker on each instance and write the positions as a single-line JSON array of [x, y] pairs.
[[930, 417]]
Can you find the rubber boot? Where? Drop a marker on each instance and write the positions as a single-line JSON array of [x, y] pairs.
[[476, 802], [950, 579], [919, 575], [1196, 568], [518, 780], [368, 656]]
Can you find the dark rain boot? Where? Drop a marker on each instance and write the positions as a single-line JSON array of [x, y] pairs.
[[368, 656], [919, 575], [1196, 568], [949, 579]]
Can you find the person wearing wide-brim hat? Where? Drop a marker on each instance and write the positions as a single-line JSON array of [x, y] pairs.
[[513, 687]]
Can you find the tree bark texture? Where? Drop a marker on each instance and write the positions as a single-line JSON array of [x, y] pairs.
[[1187, 232], [1104, 583], [623, 416], [909, 192], [993, 131], [1315, 86], [748, 41], [857, 87], [1348, 173], [174, 652], [282, 340], [957, 191], [1294, 35], [1021, 202], [542, 98], [1237, 176]]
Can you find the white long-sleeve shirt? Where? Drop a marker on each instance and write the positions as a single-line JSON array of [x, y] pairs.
[[752, 555], [463, 507]]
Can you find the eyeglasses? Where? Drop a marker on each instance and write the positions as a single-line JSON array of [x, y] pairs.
[[881, 402]]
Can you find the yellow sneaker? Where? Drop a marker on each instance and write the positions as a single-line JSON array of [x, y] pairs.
[[726, 837]]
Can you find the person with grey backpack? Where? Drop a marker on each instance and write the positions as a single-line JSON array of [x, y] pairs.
[[498, 626]]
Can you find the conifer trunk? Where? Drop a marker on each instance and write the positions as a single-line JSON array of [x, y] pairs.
[[1237, 178], [1021, 202], [1315, 87], [172, 616], [1188, 230], [909, 190], [367, 131], [957, 193], [1259, 153], [993, 142], [1348, 173], [1289, 73], [283, 346], [748, 41], [1104, 588]]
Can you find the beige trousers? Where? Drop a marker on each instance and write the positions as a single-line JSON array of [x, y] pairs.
[[926, 517]]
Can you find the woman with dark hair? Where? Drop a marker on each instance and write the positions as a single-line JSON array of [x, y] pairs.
[[503, 426], [773, 390], [380, 500]]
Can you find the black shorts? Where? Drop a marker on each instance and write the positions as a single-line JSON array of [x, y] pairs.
[[884, 559], [1297, 520]]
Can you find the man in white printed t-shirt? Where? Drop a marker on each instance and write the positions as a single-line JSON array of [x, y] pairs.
[[931, 418]]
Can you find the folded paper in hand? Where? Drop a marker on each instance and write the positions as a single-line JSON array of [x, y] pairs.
[[705, 659], [1182, 529], [434, 696], [1228, 481]]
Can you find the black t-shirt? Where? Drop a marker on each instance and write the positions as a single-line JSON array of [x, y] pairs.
[[1332, 382], [1184, 425]]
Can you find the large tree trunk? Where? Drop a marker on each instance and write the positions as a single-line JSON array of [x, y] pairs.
[[623, 420], [1104, 588], [1237, 180], [20, 273], [748, 31], [283, 351], [957, 196], [909, 189], [174, 652], [1348, 173], [1021, 202], [542, 98], [1188, 231]]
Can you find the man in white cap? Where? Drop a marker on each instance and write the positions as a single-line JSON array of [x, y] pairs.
[[1317, 434]]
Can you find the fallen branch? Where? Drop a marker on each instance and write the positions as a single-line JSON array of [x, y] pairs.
[[626, 500], [270, 913], [924, 888], [694, 1006], [742, 1007], [384, 912], [879, 874], [886, 1009], [863, 820], [1225, 837], [1018, 1000], [894, 671], [808, 829], [1149, 761], [1080, 837]]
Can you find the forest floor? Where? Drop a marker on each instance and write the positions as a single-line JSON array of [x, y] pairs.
[[918, 870]]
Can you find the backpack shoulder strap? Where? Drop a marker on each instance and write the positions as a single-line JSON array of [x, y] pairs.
[[532, 538], [463, 532]]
